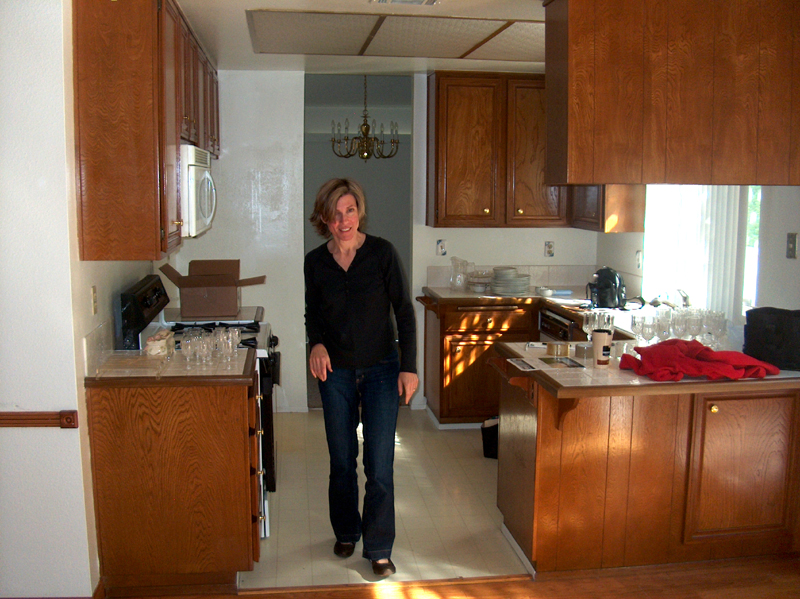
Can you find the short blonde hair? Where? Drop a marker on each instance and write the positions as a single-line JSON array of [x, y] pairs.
[[325, 205]]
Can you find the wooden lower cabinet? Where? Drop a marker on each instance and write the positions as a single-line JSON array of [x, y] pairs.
[[613, 481], [458, 386], [176, 496]]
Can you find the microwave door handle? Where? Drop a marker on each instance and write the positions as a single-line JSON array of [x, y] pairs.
[[213, 190]]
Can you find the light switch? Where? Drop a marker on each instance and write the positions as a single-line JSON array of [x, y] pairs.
[[441, 247], [94, 299], [791, 245]]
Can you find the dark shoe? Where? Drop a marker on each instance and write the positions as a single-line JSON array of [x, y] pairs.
[[381, 568], [344, 549]]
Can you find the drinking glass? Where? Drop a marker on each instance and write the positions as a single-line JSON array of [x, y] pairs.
[[605, 320], [648, 329], [589, 323], [694, 324], [679, 324], [637, 320], [188, 347], [226, 348], [236, 337], [663, 324]]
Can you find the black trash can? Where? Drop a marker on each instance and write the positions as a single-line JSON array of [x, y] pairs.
[[489, 430]]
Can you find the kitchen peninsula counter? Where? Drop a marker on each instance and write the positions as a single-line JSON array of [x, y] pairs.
[[600, 469]]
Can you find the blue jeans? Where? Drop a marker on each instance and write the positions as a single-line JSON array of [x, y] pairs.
[[375, 389]]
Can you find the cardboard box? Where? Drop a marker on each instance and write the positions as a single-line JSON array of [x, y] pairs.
[[211, 289]]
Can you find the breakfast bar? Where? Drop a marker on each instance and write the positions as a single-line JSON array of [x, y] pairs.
[[601, 468]]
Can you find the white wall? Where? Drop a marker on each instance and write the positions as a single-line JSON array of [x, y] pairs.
[[47, 535], [778, 276], [618, 251], [259, 220]]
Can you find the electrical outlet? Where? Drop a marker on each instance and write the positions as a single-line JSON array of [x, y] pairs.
[[791, 245], [638, 259], [441, 247], [549, 249], [94, 299]]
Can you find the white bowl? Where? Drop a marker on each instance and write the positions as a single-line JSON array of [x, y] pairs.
[[544, 291]]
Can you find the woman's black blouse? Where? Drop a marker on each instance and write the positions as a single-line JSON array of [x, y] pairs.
[[348, 311]]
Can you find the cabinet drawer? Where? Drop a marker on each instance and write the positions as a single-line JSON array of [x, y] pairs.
[[496, 319]]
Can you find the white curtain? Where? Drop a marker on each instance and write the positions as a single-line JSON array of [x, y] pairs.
[[694, 241]]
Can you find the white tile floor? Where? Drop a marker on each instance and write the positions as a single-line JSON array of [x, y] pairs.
[[447, 523]]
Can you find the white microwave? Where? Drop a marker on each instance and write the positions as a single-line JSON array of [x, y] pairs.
[[198, 194]]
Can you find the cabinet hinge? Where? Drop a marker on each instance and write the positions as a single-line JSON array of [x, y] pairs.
[[158, 4], [163, 235]]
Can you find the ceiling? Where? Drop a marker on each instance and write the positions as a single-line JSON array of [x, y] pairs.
[[370, 36]]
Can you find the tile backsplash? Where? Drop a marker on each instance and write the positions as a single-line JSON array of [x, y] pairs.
[[544, 276]]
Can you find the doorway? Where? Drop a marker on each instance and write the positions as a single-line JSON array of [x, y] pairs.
[[386, 182]]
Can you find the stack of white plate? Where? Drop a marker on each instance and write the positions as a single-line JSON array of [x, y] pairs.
[[507, 282]]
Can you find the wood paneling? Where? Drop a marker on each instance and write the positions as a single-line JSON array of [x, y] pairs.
[[62, 419], [584, 462], [735, 91], [516, 460], [794, 134], [618, 97], [654, 92], [652, 456], [690, 93], [618, 481], [774, 103], [580, 106], [548, 487]]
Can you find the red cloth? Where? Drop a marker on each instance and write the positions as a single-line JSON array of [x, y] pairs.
[[670, 360]]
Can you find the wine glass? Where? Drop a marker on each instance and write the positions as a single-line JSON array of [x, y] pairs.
[[605, 321], [226, 348], [648, 329], [637, 320], [663, 324], [589, 323], [694, 324], [679, 324]]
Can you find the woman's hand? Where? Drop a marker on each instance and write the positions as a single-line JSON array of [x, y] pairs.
[[406, 385], [320, 362]]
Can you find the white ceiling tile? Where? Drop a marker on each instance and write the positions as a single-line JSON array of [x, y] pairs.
[[275, 32], [430, 37], [521, 41]]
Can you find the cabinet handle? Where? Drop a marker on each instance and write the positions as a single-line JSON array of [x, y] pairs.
[[259, 432], [520, 211], [486, 211], [185, 117], [177, 223], [458, 349], [714, 409], [490, 321], [259, 397]]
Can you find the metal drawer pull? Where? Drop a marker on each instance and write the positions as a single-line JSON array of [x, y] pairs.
[[486, 211], [714, 409], [489, 320]]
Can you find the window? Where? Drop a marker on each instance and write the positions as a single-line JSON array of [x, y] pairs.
[[702, 239]]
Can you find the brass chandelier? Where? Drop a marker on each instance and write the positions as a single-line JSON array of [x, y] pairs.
[[364, 146]]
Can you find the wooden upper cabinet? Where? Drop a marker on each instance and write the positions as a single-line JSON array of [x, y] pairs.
[[126, 78], [529, 202], [486, 152], [468, 116], [607, 208], [673, 91]]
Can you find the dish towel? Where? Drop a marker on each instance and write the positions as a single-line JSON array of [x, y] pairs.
[[673, 359]]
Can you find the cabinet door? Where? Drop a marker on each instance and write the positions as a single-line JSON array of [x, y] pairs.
[[470, 142], [170, 127], [213, 112], [187, 83], [741, 458], [201, 91], [470, 391], [586, 207], [529, 201]]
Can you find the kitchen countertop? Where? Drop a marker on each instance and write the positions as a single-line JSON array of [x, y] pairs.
[[587, 381], [136, 367]]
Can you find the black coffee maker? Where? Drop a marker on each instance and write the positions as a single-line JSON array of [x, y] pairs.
[[606, 289]]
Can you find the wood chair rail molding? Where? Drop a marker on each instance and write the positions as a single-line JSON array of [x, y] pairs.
[[62, 419]]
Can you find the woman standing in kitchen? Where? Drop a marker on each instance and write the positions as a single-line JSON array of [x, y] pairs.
[[353, 282]]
